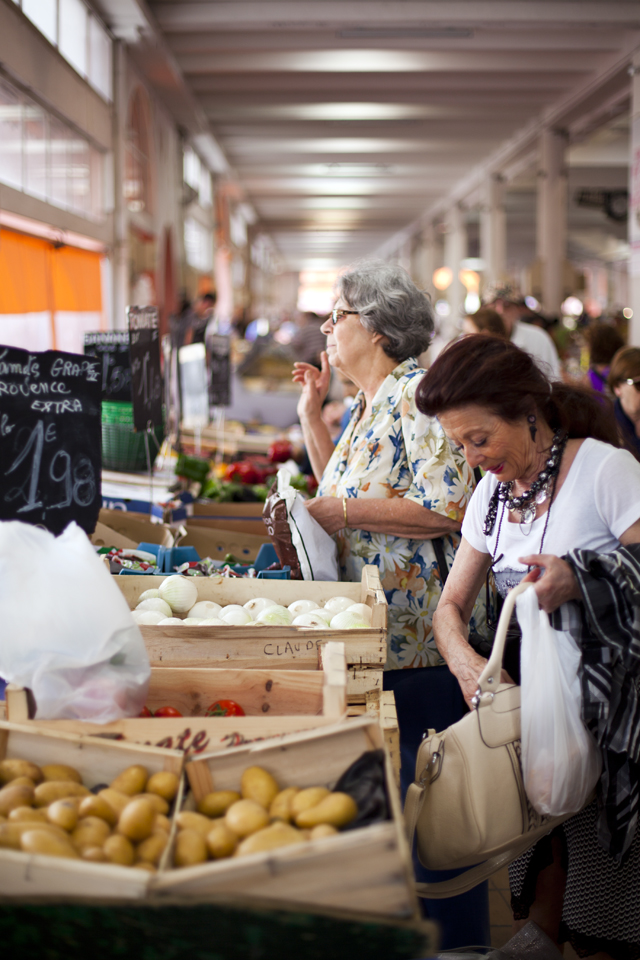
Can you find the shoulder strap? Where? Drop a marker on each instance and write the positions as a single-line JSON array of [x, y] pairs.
[[441, 559]]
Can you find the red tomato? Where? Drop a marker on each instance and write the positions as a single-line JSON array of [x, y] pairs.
[[145, 712], [225, 708], [280, 451], [167, 712], [247, 473]]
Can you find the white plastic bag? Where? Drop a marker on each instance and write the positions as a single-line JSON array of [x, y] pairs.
[[316, 551], [560, 759], [66, 630]]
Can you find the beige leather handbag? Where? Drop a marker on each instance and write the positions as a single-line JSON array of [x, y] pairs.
[[467, 805]]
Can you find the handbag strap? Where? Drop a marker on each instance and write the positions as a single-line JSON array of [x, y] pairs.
[[490, 676]]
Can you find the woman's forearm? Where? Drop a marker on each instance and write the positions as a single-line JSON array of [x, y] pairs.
[[398, 517], [318, 442], [450, 631]]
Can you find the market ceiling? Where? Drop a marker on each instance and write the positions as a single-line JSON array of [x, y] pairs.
[[344, 121]]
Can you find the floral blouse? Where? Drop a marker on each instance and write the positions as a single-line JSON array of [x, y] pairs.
[[399, 452]]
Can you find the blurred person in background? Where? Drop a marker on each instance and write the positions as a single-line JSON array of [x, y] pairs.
[[309, 341], [624, 381], [487, 321], [603, 341], [201, 316], [389, 489], [511, 306]]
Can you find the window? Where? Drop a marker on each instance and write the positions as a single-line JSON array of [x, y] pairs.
[[197, 175], [136, 186], [198, 245], [45, 158], [79, 36]]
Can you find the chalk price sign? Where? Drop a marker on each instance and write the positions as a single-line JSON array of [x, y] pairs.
[[111, 347], [50, 445], [146, 379]]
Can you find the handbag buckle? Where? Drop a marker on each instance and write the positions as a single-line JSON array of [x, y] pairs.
[[432, 770]]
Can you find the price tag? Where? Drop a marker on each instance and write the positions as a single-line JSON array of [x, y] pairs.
[[219, 370], [112, 349], [146, 379], [50, 440]]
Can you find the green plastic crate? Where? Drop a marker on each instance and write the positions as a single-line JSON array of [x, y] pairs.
[[122, 448]]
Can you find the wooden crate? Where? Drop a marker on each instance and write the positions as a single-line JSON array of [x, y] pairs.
[[31, 876], [276, 702], [217, 543], [240, 517], [137, 527], [367, 870], [258, 647]]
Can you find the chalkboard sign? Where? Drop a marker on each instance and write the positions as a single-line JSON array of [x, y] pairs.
[[50, 451], [219, 370], [146, 379], [112, 349]]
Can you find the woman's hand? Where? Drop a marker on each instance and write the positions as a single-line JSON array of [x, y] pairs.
[[466, 665], [555, 585], [315, 386], [328, 511]]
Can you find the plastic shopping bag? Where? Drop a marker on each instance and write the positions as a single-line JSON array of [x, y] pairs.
[[560, 759], [66, 630], [299, 540]]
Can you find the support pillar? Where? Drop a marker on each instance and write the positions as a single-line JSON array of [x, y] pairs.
[[493, 232], [455, 251], [634, 205], [423, 260], [552, 217], [120, 271]]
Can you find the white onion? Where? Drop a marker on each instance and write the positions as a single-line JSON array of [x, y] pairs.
[[149, 594], [213, 622], [275, 617], [155, 603], [147, 618], [180, 593], [325, 614], [361, 610], [205, 608], [310, 620], [191, 621], [338, 604], [299, 607], [234, 613], [169, 621], [258, 604], [345, 620]]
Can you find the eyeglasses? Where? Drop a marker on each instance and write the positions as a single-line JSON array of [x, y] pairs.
[[337, 314], [632, 382]]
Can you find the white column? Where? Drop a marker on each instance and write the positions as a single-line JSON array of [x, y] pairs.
[[423, 260], [634, 205], [493, 231], [120, 272], [552, 217], [455, 250]]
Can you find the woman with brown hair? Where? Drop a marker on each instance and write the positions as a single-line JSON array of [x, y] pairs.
[[624, 381], [486, 320], [555, 482]]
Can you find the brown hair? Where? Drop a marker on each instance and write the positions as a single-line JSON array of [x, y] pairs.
[[604, 341], [497, 375], [624, 366], [488, 320]]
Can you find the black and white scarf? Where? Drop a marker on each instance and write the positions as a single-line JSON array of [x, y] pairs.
[[609, 637]]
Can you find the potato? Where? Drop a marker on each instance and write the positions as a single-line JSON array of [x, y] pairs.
[[189, 820], [98, 807], [190, 849], [136, 820], [131, 781], [53, 790], [27, 814], [64, 813], [10, 769], [277, 835], [245, 817], [118, 849], [152, 848], [60, 771], [321, 831], [280, 809], [12, 797], [10, 836], [164, 783], [90, 832], [257, 784], [221, 842], [161, 823], [23, 782], [307, 798], [43, 841], [338, 809], [94, 855], [217, 803], [159, 804], [116, 800]]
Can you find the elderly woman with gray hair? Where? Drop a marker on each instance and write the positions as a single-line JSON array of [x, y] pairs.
[[389, 489]]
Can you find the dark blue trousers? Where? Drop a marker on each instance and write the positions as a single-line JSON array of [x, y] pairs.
[[430, 697]]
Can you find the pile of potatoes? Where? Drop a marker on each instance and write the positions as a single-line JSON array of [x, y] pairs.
[[259, 818], [46, 809]]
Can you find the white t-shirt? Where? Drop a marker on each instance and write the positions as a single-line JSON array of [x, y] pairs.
[[539, 344], [598, 501]]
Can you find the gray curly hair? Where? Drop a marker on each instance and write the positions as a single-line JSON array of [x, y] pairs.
[[389, 303]]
